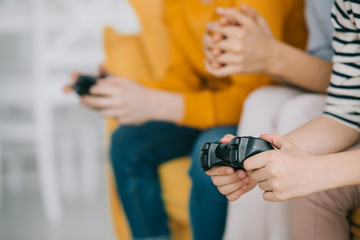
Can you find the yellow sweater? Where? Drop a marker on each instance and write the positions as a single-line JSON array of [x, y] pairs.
[[209, 101]]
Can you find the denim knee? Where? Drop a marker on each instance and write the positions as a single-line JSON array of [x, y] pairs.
[[123, 151]]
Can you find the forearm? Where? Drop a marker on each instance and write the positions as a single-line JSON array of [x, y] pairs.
[[337, 170], [323, 135], [168, 106], [296, 67]]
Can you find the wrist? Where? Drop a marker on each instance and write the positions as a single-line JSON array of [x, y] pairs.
[[329, 172], [342, 168], [274, 63], [321, 173], [167, 106]]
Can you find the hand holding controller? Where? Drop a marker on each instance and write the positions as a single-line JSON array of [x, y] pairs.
[[84, 83], [232, 154]]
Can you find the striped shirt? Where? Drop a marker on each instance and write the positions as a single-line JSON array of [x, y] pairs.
[[343, 100]]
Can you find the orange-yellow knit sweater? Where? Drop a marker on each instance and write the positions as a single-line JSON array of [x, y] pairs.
[[209, 101]]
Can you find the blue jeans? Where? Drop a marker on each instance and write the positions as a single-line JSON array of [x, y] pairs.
[[136, 153]]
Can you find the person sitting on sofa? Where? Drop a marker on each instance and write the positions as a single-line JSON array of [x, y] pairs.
[[171, 117], [317, 167], [264, 107]]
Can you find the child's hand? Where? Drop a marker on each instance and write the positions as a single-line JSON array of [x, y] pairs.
[[227, 138], [286, 173], [231, 183]]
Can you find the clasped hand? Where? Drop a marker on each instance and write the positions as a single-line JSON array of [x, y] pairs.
[[237, 44]]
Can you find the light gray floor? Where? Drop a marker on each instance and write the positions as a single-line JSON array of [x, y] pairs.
[[21, 215]]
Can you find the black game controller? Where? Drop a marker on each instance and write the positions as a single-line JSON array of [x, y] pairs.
[[84, 83], [232, 154]]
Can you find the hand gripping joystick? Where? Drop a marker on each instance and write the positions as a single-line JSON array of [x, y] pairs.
[[232, 154], [84, 83]]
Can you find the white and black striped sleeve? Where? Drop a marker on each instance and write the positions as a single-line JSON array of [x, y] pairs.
[[343, 100]]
